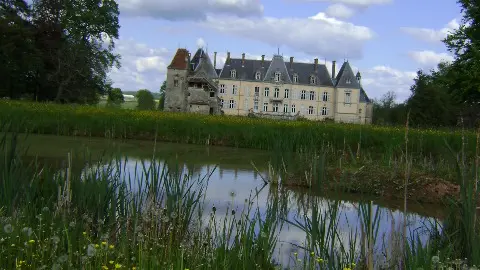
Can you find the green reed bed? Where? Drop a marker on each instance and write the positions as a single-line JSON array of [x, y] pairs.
[[222, 130]]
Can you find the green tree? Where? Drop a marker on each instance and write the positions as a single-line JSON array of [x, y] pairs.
[[115, 97], [145, 100], [76, 41], [387, 112], [161, 100], [430, 104], [18, 55]]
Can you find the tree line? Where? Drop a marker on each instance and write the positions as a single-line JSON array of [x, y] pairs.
[[57, 50], [448, 95]]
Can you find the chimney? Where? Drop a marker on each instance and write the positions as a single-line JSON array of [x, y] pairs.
[[291, 61], [228, 58], [215, 60], [316, 64], [243, 59], [263, 59], [333, 69]]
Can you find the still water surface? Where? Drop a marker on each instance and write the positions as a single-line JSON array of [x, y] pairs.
[[233, 179]]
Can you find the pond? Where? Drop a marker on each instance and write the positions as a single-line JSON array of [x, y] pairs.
[[233, 179]]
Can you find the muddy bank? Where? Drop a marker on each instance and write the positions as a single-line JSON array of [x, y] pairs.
[[382, 182]]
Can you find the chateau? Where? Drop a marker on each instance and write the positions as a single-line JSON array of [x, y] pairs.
[[266, 88]]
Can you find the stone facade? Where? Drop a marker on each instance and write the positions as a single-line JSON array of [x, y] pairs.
[[191, 84], [291, 89]]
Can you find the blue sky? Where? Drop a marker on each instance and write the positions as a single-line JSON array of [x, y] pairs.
[[386, 40]]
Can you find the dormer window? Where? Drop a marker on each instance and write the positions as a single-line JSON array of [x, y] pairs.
[[233, 74], [295, 78], [258, 75], [277, 76], [313, 80], [348, 81]]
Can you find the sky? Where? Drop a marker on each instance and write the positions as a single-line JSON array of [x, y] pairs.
[[388, 41]]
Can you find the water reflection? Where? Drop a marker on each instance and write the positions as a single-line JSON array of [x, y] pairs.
[[228, 188]]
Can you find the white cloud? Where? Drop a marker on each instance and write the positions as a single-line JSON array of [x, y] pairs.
[[431, 35], [429, 59], [201, 43], [335, 40], [175, 10], [380, 79], [360, 3], [340, 11], [142, 66]]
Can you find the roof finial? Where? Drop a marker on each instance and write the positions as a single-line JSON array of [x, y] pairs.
[[278, 50]]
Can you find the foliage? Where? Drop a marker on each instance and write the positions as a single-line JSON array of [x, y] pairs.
[[387, 112], [161, 100], [259, 133], [115, 97], [430, 103], [57, 50], [145, 100], [450, 94]]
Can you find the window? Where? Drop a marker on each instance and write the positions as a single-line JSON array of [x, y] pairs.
[[276, 92], [212, 94], [287, 93], [265, 107], [266, 91], [304, 93], [285, 108], [258, 75], [233, 73], [324, 111], [348, 98], [348, 81], [275, 107], [310, 109], [312, 95], [175, 83], [326, 96], [221, 103], [277, 76], [360, 111], [231, 104], [222, 88], [295, 78], [293, 108], [313, 80], [255, 106], [234, 89], [257, 90]]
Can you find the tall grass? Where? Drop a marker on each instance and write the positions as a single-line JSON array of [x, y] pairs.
[[153, 218], [291, 136]]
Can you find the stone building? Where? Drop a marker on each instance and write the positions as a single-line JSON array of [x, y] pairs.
[[192, 84], [266, 88], [278, 89]]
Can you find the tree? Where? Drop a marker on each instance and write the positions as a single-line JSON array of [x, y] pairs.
[[387, 112], [18, 55], [161, 100], [430, 104], [145, 100], [115, 97]]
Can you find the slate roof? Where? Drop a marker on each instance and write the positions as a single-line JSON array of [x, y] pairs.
[[178, 61], [363, 96], [267, 71], [277, 65], [202, 65], [304, 70], [346, 74]]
